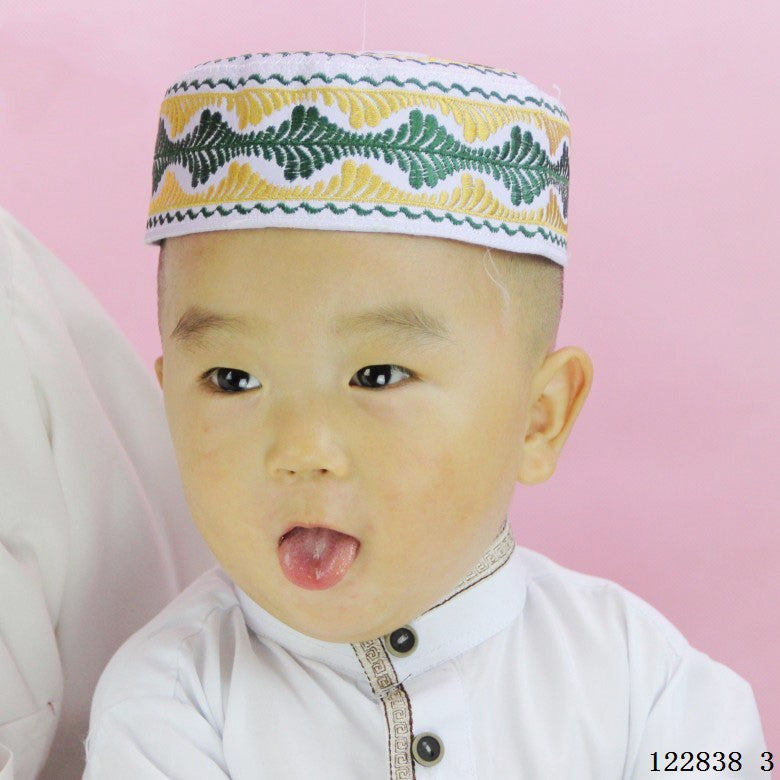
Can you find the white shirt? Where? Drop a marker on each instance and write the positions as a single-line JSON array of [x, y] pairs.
[[526, 670], [95, 537]]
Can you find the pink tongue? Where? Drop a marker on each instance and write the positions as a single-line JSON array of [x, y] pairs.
[[316, 558]]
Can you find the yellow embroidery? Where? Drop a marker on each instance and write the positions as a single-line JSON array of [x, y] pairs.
[[478, 119], [355, 184]]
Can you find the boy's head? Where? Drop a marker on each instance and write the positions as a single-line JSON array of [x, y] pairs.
[[390, 385]]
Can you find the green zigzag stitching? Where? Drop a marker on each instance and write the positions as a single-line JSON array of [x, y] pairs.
[[179, 216], [421, 147], [180, 86], [483, 69]]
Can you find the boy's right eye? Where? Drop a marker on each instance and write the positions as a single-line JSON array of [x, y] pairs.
[[229, 380]]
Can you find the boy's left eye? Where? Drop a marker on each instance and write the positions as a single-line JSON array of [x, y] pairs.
[[233, 380], [380, 375], [230, 380]]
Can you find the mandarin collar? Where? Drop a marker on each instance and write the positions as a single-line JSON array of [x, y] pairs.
[[487, 599]]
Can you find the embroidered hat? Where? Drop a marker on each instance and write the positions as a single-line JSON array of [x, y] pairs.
[[378, 141]]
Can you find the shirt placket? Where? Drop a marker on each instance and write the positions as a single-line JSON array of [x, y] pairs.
[[427, 719], [383, 679], [426, 714]]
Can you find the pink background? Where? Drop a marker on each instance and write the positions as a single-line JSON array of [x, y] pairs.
[[670, 482]]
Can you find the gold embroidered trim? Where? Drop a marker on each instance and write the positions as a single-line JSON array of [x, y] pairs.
[[493, 559], [382, 678], [479, 119], [355, 184], [399, 719]]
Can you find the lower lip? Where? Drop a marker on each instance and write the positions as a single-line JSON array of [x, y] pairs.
[[303, 567]]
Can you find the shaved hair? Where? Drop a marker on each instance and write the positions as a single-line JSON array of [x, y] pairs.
[[160, 286], [533, 286]]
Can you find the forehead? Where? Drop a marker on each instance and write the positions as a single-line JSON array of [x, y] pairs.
[[340, 281], [291, 286], [287, 261], [266, 243]]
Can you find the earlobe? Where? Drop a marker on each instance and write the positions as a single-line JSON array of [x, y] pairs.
[[158, 370], [560, 388], [539, 460]]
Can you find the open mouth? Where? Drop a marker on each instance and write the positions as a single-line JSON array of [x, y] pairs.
[[316, 558]]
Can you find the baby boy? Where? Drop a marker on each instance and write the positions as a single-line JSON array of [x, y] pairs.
[[360, 284]]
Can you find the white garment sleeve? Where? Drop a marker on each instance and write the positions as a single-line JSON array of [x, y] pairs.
[[704, 708], [180, 744], [95, 537]]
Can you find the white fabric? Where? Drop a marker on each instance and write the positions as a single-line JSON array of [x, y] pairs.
[[535, 672], [95, 537], [6, 764]]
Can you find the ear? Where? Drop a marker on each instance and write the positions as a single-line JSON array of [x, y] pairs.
[[158, 369], [559, 390]]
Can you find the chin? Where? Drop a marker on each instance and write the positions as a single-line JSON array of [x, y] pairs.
[[329, 634], [341, 634]]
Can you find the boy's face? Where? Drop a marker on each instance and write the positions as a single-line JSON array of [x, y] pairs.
[[418, 462]]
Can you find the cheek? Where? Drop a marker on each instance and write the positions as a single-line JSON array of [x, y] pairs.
[[212, 464], [221, 492], [464, 462], [430, 468]]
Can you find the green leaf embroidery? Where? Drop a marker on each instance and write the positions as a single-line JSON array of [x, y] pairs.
[[421, 148]]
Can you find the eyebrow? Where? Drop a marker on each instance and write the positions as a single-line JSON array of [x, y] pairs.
[[197, 323], [404, 320]]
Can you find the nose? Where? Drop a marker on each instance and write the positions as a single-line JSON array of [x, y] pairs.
[[304, 440]]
